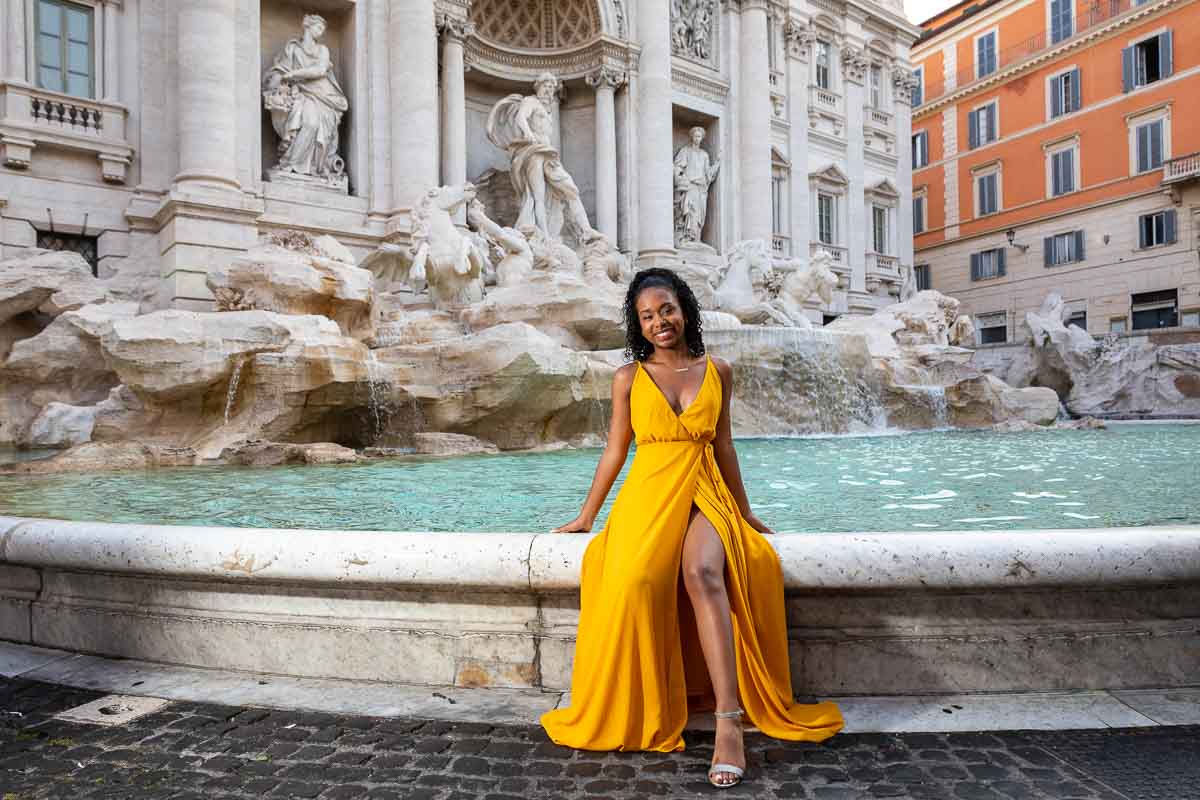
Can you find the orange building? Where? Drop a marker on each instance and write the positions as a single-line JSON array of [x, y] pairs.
[[1056, 148]]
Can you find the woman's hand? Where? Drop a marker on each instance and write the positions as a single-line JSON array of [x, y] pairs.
[[580, 524], [757, 524]]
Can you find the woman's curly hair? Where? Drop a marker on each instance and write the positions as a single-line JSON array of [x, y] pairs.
[[638, 346]]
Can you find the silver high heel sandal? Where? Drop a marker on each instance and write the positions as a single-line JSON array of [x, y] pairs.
[[716, 769]]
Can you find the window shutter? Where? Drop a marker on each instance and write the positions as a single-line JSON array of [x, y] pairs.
[[972, 130], [1169, 225], [1154, 133], [1056, 93], [1068, 178], [1127, 69], [1076, 96], [1079, 254], [1048, 250], [924, 148], [1143, 228], [1143, 148], [1165, 61], [991, 122], [974, 266], [1000, 253]]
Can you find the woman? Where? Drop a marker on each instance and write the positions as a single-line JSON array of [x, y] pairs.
[[681, 598]]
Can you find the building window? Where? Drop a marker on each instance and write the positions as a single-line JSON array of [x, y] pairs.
[[876, 86], [985, 54], [918, 92], [86, 246], [780, 173], [879, 229], [1064, 93], [1062, 165], [1190, 319], [825, 218], [65, 47], [1146, 62], [1062, 21], [924, 280], [772, 59], [987, 193], [1156, 229], [823, 60], [828, 318], [992, 328], [981, 125], [1116, 325], [1063, 248], [1149, 143], [919, 214], [1077, 318], [920, 149], [1155, 309], [988, 264]]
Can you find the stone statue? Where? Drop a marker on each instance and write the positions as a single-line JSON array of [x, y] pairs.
[[523, 126], [691, 27], [443, 258], [743, 290], [602, 262], [801, 283], [908, 286], [962, 332], [693, 175], [306, 104], [517, 263]]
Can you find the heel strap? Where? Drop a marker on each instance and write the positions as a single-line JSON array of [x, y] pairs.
[[728, 714]]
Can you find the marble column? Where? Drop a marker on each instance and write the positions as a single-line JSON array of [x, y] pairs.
[[454, 100], [15, 41], [112, 21], [656, 191], [854, 69], [800, 40], [754, 122], [606, 81], [412, 34], [208, 84]]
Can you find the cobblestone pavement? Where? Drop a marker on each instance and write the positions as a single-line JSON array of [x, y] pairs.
[[207, 752]]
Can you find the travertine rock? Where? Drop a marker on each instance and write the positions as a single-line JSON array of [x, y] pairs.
[[267, 454], [47, 281], [286, 281], [575, 313], [105, 457], [62, 425], [451, 444]]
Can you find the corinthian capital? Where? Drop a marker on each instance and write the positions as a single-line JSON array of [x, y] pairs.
[[854, 63], [903, 83], [453, 27], [606, 77], [800, 37]]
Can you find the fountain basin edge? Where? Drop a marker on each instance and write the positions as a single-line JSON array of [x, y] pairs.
[[885, 613]]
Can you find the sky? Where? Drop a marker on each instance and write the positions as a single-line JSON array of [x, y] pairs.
[[920, 10]]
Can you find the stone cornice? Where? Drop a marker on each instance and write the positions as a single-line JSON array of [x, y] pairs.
[[526, 65], [691, 81], [1135, 15]]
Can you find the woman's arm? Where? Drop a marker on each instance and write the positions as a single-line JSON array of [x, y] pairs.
[[317, 70], [620, 434], [725, 454]]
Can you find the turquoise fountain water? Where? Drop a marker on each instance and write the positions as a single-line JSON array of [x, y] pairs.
[[947, 480]]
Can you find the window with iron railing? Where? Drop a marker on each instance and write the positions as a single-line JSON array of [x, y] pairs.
[[65, 42]]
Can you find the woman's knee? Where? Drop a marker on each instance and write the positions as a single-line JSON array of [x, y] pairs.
[[706, 576]]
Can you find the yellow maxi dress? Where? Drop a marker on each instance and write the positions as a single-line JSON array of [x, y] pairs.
[[638, 663]]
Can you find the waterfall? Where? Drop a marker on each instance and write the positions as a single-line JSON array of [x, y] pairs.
[[375, 384], [231, 393], [800, 381]]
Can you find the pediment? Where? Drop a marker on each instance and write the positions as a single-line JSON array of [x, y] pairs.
[[886, 189], [830, 174]]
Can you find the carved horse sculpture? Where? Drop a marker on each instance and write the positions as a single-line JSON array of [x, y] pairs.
[[445, 259], [801, 283], [743, 288]]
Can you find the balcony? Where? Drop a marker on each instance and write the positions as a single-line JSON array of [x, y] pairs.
[[882, 269], [1184, 168], [1090, 15], [875, 118], [781, 246], [32, 117], [824, 100]]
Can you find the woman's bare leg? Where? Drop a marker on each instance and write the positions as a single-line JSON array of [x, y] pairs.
[[704, 579]]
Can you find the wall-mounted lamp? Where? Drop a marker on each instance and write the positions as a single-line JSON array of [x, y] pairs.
[[1012, 234]]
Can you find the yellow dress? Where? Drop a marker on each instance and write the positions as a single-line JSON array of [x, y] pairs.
[[638, 663]]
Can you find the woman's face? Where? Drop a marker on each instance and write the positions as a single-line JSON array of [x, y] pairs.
[[661, 317]]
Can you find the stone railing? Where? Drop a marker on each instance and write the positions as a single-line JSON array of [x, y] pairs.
[[824, 100], [32, 117], [840, 263], [776, 79], [882, 269], [877, 119], [1182, 168], [781, 245]]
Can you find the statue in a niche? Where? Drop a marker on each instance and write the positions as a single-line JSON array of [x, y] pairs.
[[693, 174], [523, 126], [306, 104]]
